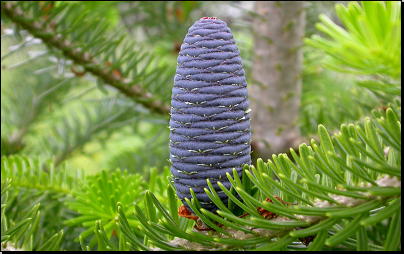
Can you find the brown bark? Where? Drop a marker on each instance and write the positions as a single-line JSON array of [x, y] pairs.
[[275, 92]]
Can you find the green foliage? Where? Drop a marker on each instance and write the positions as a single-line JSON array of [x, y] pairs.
[[105, 9], [130, 234], [73, 71], [101, 118], [370, 45], [69, 49], [27, 100], [330, 98], [112, 60], [22, 234], [96, 200], [29, 174], [92, 198], [371, 53], [339, 189], [151, 153], [170, 19], [32, 184]]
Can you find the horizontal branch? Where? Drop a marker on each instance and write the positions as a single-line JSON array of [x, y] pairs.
[[104, 71], [240, 235]]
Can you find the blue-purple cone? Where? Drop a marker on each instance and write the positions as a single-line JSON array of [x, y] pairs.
[[210, 124]]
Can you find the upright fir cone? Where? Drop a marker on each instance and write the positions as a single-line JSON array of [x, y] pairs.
[[210, 124]]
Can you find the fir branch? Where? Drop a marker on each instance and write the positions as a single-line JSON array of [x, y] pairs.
[[27, 173], [279, 233], [20, 235], [341, 178], [101, 122], [104, 71], [362, 48], [29, 102]]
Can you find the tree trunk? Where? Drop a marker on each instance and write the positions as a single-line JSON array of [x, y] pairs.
[[275, 92]]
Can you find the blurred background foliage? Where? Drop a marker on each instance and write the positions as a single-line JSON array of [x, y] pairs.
[[58, 112], [97, 128], [54, 110]]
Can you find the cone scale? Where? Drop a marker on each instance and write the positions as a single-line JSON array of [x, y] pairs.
[[210, 132]]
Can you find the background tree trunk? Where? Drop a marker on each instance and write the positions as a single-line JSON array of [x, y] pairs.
[[275, 93]]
